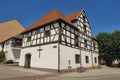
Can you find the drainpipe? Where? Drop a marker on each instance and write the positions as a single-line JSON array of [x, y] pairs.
[[80, 51], [59, 37], [91, 52]]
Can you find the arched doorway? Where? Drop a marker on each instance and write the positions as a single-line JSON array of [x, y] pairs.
[[27, 61]]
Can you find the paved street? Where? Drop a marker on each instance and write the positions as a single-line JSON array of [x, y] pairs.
[[13, 71], [105, 73], [104, 77], [16, 73]]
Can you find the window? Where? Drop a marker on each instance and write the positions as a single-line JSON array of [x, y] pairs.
[[68, 28], [72, 30], [41, 30], [25, 35], [28, 38], [86, 59], [84, 19], [93, 46], [85, 42], [47, 33], [34, 32], [84, 28], [16, 42], [7, 43], [95, 59], [76, 40], [77, 58]]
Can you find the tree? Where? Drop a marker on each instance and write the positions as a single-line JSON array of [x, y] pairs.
[[109, 46], [2, 56]]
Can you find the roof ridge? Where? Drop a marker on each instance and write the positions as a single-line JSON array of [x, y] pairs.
[[9, 21], [61, 15]]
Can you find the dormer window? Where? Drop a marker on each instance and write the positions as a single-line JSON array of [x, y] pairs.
[[47, 33]]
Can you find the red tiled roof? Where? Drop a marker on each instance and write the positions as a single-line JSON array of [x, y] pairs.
[[74, 16], [51, 16]]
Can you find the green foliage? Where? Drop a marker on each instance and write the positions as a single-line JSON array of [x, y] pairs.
[[9, 62], [2, 56], [109, 46]]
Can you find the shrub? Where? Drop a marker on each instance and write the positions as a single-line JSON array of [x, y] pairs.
[[2, 56], [9, 62]]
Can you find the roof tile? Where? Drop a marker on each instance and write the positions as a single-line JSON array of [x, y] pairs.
[[73, 16], [9, 29], [51, 16]]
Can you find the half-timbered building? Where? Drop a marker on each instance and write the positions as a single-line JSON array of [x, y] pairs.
[[59, 42]]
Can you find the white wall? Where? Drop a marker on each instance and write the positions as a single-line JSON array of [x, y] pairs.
[[48, 56], [8, 52], [95, 54], [11, 52], [68, 53], [84, 64]]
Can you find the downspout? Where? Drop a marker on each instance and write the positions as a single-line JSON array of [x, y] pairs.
[[80, 48], [91, 52], [59, 37]]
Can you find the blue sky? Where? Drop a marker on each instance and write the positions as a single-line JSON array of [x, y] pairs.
[[103, 15]]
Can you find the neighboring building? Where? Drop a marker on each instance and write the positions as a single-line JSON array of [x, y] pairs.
[[10, 39], [1, 46], [59, 42]]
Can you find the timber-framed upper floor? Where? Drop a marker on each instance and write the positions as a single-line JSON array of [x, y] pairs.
[[72, 30]]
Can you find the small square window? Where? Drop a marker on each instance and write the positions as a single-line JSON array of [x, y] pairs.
[[28, 38], [47, 33]]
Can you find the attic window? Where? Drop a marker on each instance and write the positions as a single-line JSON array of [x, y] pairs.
[[28, 38], [84, 28], [56, 24], [41, 30], [34, 32], [84, 19], [47, 33]]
